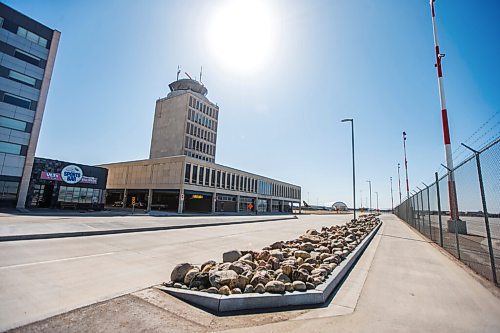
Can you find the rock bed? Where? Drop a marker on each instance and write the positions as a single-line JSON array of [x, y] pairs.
[[285, 266]]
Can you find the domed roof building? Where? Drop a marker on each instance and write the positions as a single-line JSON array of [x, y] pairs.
[[339, 205]]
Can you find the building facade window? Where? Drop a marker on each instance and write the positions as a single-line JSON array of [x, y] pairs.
[[187, 173], [207, 177], [13, 123], [18, 77], [17, 100], [31, 36], [10, 148], [194, 178], [29, 58], [202, 174]]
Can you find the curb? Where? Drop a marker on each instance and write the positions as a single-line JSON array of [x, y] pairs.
[[127, 231], [220, 304]]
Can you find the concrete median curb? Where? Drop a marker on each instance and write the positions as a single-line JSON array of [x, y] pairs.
[[130, 230], [220, 304]]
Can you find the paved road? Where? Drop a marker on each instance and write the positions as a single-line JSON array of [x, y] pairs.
[[41, 278], [15, 224]]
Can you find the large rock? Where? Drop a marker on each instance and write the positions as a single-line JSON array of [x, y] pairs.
[[299, 286], [200, 280], [224, 290], [190, 275], [240, 267], [308, 247], [231, 256], [260, 288], [208, 263], [283, 278], [241, 282], [180, 271], [287, 269], [300, 275], [301, 254], [223, 278], [275, 287], [260, 277]]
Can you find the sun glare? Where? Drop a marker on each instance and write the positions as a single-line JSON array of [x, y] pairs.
[[240, 35]]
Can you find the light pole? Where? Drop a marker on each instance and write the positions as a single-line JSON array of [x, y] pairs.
[[370, 183], [377, 200], [392, 199], [406, 166], [353, 168], [399, 180]]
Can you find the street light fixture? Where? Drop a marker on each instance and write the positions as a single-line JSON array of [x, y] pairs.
[[353, 168]]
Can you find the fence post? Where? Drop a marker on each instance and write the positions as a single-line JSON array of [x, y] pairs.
[[429, 210], [418, 212], [439, 210], [485, 211], [423, 211]]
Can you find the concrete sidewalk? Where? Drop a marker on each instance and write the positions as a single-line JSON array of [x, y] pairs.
[[26, 227], [412, 286]]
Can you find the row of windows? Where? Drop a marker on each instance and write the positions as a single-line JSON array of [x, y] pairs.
[[22, 78], [201, 119], [202, 107], [10, 148], [31, 36], [79, 195], [24, 56], [199, 175], [13, 124], [205, 148], [198, 156], [8, 190], [200, 132], [18, 101]]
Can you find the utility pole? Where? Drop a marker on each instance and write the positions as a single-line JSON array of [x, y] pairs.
[[399, 180], [353, 168], [406, 166], [370, 183], [392, 199], [446, 130]]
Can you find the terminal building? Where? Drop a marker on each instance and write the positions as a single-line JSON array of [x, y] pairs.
[[181, 174]]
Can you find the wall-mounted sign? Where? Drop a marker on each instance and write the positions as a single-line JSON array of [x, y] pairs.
[[50, 176], [71, 174], [196, 196]]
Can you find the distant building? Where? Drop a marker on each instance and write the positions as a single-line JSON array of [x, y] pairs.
[[185, 123], [339, 205], [181, 175], [27, 54]]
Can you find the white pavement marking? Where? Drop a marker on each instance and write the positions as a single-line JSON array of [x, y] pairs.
[[57, 260]]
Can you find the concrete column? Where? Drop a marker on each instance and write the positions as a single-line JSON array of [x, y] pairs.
[[270, 208], [282, 206], [214, 198], [180, 209], [150, 198], [237, 204], [37, 123], [124, 203]]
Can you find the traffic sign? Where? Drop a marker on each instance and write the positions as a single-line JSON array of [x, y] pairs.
[[182, 197], [133, 200], [250, 206]]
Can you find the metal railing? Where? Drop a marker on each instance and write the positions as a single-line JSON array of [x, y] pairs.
[[478, 194]]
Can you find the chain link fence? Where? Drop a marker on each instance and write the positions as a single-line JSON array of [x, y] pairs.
[[477, 181]]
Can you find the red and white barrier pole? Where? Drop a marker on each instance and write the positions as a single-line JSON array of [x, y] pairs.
[[452, 193]]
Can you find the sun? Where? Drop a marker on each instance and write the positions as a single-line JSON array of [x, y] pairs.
[[240, 35]]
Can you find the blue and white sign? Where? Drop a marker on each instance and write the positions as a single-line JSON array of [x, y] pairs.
[[71, 174]]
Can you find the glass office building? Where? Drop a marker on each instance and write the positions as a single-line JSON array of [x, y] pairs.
[[27, 54]]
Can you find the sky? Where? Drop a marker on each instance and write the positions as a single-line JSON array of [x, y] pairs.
[[305, 66]]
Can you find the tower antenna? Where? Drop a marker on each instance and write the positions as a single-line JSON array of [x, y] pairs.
[[178, 72], [201, 73], [446, 130]]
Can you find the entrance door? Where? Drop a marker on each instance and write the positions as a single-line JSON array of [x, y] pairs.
[[46, 199]]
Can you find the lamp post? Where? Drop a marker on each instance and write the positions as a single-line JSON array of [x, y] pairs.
[[399, 180], [370, 183], [406, 166], [377, 200], [392, 199], [353, 168]]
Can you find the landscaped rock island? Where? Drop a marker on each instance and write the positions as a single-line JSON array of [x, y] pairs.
[[285, 266]]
